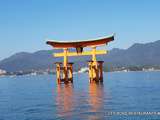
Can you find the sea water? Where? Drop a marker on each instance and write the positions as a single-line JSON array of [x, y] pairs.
[[122, 95]]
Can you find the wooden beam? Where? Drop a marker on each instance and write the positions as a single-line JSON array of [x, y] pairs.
[[100, 52], [81, 44]]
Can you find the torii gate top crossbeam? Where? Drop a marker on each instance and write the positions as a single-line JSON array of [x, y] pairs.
[[81, 44]]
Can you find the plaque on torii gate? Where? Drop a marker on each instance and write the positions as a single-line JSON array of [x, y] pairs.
[[64, 70]]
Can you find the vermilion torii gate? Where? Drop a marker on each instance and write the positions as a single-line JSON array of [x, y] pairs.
[[65, 70]]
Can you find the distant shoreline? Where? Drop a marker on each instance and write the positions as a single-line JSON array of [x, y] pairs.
[[14, 75]]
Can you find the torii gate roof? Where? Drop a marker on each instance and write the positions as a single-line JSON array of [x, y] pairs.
[[84, 43]]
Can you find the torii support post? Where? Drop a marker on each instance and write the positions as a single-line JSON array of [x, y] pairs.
[[58, 71], [94, 65], [90, 71], [64, 74], [66, 70], [95, 71], [70, 71], [95, 68], [100, 66]]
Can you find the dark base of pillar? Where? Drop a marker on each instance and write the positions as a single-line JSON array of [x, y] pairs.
[[96, 80], [69, 80]]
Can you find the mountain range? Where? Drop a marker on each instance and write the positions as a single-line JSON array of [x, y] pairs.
[[136, 55]]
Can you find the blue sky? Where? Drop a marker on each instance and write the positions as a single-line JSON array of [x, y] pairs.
[[26, 24]]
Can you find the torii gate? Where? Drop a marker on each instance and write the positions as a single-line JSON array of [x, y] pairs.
[[95, 67]]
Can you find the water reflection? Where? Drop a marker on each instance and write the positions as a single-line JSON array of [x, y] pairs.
[[71, 105], [64, 100], [96, 97]]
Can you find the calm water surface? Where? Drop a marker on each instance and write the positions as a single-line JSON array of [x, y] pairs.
[[40, 98]]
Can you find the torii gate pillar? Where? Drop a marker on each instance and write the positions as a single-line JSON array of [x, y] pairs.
[[95, 68]]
